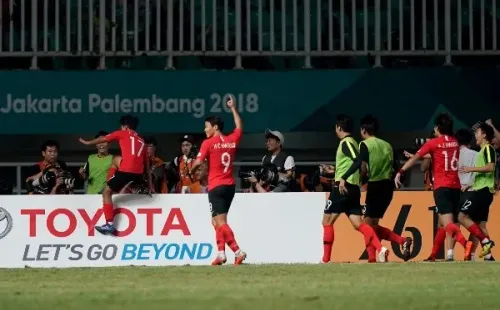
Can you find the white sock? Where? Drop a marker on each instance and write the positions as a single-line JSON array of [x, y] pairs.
[[472, 257], [221, 254], [109, 223], [487, 256], [237, 253], [449, 254], [485, 240]]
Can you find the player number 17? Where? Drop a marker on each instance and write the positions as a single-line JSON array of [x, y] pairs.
[[450, 163], [132, 146]]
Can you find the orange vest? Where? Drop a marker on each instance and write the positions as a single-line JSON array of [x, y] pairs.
[[184, 168]]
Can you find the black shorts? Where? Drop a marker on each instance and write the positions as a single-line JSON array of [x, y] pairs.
[[348, 203], [378, 198], [120, 179], [464, 197], [447, 200], [477, 206], [220, 199]]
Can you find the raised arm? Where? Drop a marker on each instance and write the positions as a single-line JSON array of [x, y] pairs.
[[236, 116]]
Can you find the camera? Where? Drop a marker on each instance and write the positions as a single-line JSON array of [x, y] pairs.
[[46, 182], [267, 174]]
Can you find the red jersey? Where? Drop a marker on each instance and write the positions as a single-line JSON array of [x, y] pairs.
[[220, 151], [134, 153], [445, 152]]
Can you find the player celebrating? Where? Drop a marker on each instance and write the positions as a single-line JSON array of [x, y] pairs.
[[444, 151], [220, 151], [345, 196], [476, 209], [378, 161], [134, 161]]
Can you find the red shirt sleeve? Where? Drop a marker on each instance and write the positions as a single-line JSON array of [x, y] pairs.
[[236, 135], [114, 136], [205, 146], [427, 148]]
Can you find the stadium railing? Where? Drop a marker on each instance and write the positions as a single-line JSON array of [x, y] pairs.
[[21, 175], [239, 28]]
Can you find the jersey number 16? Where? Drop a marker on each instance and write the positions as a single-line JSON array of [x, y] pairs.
[[450, 162]]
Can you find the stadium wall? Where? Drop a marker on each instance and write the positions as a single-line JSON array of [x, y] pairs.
[[58, 231]]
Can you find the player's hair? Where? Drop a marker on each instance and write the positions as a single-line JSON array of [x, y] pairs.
[[370, 124], [215, 120], [49, 143], [488, 131], [130, 121], [464, 136], [101, 134], [444, 123], [345, 123], [150, 140]]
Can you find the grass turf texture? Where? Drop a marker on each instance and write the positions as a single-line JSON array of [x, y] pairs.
[[334, 286]]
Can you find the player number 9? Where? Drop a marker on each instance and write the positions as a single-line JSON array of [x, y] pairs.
[[225, 160]]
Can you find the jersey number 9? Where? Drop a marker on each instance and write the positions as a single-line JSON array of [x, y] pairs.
[[225, 160]]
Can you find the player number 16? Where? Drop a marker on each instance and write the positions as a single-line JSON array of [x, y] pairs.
[[450, 162]]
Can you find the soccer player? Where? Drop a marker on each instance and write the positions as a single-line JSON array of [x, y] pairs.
[[379, 164], [444, 151], [220, 150], [476, 209], [134, 161], [346, 194], [466, 158]]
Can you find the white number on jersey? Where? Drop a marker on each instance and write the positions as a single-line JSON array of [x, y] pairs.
[[132, 146], [450, 163], [225, 160]]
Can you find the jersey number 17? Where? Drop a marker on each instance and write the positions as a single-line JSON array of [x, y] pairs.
[[140, 146]]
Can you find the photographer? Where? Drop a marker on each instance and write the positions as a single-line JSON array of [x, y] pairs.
[[278, 168], [183, 163], [52, 176]]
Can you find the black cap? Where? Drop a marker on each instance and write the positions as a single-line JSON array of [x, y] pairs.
[[188, 138]]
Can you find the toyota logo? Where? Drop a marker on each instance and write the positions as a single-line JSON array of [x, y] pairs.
[[5, 223]]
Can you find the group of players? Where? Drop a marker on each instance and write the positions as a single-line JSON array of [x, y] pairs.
[[372, 160]]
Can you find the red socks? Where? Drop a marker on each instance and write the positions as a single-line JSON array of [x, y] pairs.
[[387, 234], [476, 231], [372, 255], [219, 238], [328, 237], [438, 241], [455, 232], [228, 237], [109, 215], [370, 236]]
